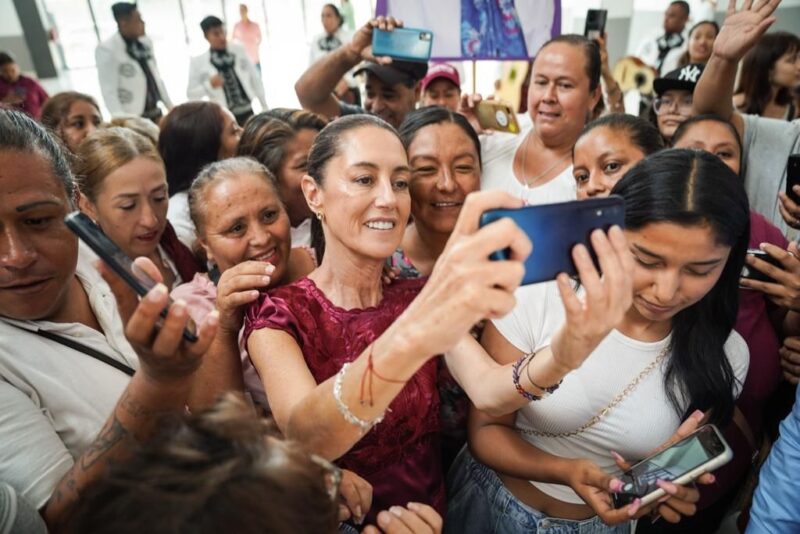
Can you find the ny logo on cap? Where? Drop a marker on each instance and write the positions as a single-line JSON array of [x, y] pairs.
[[689, 73]]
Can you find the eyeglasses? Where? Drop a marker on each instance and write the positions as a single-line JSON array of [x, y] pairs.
[[333, 476], [666, 104]]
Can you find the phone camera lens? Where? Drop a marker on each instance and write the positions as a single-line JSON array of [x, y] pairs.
[[599, 213]]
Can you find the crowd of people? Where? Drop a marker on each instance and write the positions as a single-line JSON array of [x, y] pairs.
[[359, 363]]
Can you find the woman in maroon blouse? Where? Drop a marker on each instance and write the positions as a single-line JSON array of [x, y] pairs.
[[339, 351]]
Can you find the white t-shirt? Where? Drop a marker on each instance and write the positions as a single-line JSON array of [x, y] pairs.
[[301, 234], [56, 399], [497, 154], [641, 422], [178, 215]]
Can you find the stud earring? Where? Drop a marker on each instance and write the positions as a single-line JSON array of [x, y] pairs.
[[320, 216]]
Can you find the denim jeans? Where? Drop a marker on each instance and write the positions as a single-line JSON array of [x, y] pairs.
[[480, 503]]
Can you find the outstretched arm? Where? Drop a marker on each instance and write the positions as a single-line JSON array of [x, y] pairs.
[[739, 33]]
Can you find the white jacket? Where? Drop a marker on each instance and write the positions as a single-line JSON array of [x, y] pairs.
[[122, 80], [201, 70]]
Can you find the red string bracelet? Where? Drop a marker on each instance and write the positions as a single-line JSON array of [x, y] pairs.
[[366, 378]]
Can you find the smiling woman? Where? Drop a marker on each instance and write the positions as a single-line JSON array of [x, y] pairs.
[[123, 187]]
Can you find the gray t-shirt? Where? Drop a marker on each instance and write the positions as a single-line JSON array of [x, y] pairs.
[[767, 146], [18, 516]]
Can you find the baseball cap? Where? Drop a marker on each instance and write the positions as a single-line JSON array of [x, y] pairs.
[[441, 70], [684, 78], [405, 72]]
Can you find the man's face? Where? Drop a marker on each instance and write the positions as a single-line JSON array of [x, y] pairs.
[[675, 18], [10, 72], [132, 26], [216, 38], [442, 92], [390, 102]]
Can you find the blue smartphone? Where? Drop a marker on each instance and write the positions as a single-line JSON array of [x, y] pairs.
[[554, 229], [408, 44]]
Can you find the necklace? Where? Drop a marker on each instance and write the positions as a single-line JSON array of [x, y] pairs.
[[528, 183]]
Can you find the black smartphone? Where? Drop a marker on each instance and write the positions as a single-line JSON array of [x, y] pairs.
[[595, 23], [793, 177], [110, 253], [754, 274], [702, 451], [555, 229], [408, 44]]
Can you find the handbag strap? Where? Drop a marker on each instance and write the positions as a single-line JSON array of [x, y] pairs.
[[741, 422], [80, 347]]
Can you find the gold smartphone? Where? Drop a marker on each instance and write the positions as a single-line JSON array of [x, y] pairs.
[[494, 115]]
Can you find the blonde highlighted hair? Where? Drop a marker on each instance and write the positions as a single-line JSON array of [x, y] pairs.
[[105, 151]]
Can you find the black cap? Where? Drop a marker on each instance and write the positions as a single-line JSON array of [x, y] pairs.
[[122, 9], [406, 72], [684, 78]]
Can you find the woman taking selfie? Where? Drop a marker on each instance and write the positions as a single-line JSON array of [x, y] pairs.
[[124, 190], [686, 224]]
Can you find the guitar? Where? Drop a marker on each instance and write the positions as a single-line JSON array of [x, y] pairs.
[[632, 73]]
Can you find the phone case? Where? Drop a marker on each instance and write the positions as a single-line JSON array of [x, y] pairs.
[[754, 274], [793, 176], [555, 229], [595, 23], [112, 255], [498, 116], [409, 44], [725, 456]]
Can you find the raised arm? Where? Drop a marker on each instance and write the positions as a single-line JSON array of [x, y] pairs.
[[160, 387], [315, 87], [464, 288], [739, 33], [489, 379]]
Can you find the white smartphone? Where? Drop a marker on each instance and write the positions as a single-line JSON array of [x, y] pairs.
[[701, 452]]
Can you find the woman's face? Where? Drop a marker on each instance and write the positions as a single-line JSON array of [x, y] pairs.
[[559, 99], [81, 120], [244, 220], [229, 138], [131, 206], [701, 43], [444, 169], [676, 266], [675, 107], [713, 137], [364, 198], [786, 71], [38, 253], [330, 22], [600, 160], [291, 172]]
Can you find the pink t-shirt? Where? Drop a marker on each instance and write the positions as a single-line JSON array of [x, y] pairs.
[[249, 34]]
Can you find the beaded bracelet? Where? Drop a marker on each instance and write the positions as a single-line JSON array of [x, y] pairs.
[[515, 378], [349, 416], [548, 390]]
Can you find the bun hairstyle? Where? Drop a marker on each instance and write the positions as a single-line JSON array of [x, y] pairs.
[[692, 188]]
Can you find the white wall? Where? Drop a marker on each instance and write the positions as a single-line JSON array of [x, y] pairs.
[[9, 22]]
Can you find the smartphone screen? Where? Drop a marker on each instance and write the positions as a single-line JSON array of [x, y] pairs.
[[793, 177], [705, 448], [555, 229], [595, 23], [409, 44], [115, 258]]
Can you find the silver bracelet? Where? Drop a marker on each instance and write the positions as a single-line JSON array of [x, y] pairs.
[[349, 416]]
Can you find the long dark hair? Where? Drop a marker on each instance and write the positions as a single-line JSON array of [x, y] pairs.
[[691, 188], [754, 79], [189, 140], [326, 146], [685, 59], [420, 118]]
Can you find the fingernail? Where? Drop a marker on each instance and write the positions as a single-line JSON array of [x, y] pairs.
[[396, 510], [617, 456], [414, 507], [265, 280], [616, 485], [270, 268], [697, 414], [711, 478], [384, 519], [157, 293], [179, 306], [213, 318]]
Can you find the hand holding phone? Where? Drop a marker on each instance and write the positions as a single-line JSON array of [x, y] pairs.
[[121, 264], [407, 44], [494, 115], [751, 273], [793, 177], [595, 23], [701, 452]]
